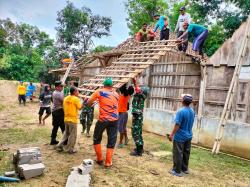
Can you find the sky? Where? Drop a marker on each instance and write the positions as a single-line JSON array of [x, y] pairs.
[[43, 14]]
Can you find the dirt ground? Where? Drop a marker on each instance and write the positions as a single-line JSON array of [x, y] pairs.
[[19, 128]]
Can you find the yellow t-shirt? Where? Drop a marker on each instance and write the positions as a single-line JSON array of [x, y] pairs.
[[21, 90], [71, 105]]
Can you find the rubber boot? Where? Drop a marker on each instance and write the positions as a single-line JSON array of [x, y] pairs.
[[109, 154], [98, 152]]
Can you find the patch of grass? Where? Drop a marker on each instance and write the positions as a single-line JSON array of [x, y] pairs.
[[2, 107], [23, 136], [5, 162], [203, 160], [21, 117]]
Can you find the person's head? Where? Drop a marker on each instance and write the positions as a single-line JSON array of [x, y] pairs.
[[73, 91], [108, 82], [21, 82], [72, 83], [187, 99], [156, 17], [144, 26], [182, 10], [30, 83], [58, 86], [47, 88], [185, 25]]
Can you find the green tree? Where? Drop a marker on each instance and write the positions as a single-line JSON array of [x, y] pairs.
[[102, 48], [23, 48], [77, 28], [142, 11]]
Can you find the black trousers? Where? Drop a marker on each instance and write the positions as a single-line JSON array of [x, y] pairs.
[[181, 153], [21, 98], [164, 34], [111, 127], [184, 46], [57, 121]]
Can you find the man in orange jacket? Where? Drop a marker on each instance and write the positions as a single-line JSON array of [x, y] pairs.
[[108, 109]]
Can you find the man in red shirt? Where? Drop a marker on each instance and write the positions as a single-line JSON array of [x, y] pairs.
[[108, 116]]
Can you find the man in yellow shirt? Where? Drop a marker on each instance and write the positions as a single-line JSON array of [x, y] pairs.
[[71, 106], [21, 91]]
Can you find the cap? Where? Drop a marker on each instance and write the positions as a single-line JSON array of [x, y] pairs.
[[182, 8], [58, 83], [187, 97], [108, 82]]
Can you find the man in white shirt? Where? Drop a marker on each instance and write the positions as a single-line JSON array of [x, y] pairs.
[[183, 17]]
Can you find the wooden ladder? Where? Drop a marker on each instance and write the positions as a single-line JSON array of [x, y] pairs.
[[231, 92]]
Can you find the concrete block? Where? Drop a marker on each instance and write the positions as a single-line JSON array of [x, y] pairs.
[[86, 166], [75, 179], [28, 171], [30, 155]]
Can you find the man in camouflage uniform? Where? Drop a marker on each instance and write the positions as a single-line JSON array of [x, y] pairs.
[[86, 118], [137, 112]]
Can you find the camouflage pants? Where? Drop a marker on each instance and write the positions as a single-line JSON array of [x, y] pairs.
[[86, 119], [137, 129]]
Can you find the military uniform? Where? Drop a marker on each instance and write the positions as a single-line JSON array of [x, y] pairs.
[[137, 112], [86, 118]]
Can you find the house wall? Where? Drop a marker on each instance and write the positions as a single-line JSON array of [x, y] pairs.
[[236, 138]]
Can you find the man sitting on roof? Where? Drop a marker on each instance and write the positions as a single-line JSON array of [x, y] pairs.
[[199, 32], [144, 34]]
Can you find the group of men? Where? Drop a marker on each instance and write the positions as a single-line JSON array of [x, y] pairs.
[[113, 116], [24, 92], [184, 29]]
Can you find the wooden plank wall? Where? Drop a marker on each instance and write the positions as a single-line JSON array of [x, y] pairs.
[[218, 82], [173, 75], [229, 51]]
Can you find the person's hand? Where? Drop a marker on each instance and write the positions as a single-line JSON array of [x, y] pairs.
[[171, 136]]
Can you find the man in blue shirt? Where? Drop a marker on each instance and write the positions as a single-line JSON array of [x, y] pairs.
[[182, 136], [30, 91], [200, 34], [162, 23]]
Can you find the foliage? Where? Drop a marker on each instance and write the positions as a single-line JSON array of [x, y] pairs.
[[102, 48], [22, 49], [77, 27], [142, 11]]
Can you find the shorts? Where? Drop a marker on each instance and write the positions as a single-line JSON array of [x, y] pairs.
[[42, 109], [122, 122]]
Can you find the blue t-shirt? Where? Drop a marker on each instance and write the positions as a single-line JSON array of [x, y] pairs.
[[161, 23], [195, 29], [185, 119]]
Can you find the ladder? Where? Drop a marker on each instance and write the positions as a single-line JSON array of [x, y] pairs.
[[232, 91]]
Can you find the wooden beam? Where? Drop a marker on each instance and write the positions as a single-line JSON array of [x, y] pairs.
[[114, 80], [122, 70], [139, 58], [137, 66], [175, 86], [86, 90], [117, 76], [139, 63], [142, 50], [175, 74], [171, 63], [144, 54], [96, 85]]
